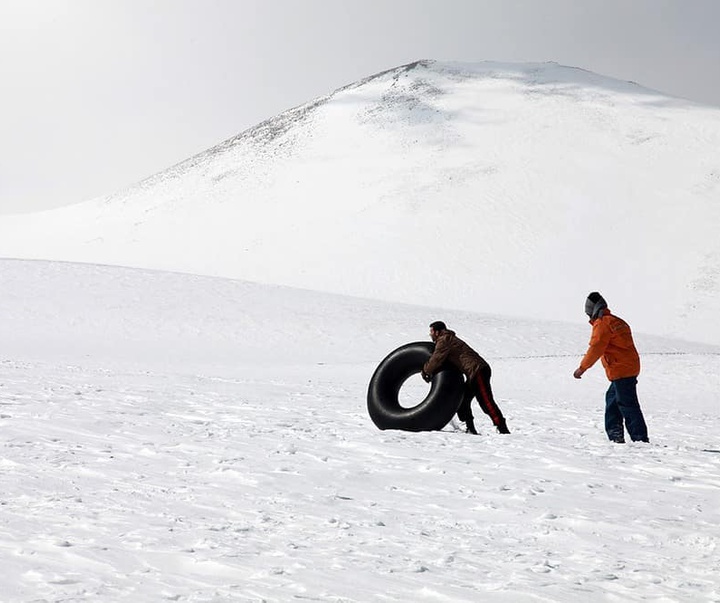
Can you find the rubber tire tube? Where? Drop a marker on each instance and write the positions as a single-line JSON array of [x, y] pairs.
[[432, 413]]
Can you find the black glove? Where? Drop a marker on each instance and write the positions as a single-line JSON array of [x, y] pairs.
[[427, 378]]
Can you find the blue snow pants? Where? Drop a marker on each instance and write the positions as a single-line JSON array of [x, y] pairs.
[[622, 405]]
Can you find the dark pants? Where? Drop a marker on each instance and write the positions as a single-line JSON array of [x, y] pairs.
[[621, 404], [479, 388]]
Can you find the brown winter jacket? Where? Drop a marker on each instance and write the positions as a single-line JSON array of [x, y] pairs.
[[449, 348], [612, 341]]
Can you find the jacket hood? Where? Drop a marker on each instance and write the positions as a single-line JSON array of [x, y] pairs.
[[603, 312]]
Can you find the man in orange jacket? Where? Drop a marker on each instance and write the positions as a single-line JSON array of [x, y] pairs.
[[611, 341]]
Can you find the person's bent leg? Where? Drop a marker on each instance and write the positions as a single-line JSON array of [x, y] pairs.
[[487, 401], [613, 416], [629, 406]]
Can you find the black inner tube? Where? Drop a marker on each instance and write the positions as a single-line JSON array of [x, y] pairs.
[[430, 414]]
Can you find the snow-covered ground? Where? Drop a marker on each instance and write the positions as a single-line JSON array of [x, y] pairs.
[[187, 438]]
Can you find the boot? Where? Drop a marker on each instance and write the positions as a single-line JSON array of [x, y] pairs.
[[502, 427], [470, 428]]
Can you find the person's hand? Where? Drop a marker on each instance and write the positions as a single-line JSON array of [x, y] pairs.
[[578, 373], [427, 378]]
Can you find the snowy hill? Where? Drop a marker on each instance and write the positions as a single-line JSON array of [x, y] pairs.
[[495, 188], [188, 438], [170, 436]]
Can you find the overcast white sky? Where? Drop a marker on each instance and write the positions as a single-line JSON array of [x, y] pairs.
[[98, 94]]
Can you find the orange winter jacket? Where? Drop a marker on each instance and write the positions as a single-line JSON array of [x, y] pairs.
[[612, 341]]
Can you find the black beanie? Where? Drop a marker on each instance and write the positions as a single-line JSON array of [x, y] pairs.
[[594, 305]]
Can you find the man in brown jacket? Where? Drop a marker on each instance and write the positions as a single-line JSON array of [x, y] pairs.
[[452, 349]]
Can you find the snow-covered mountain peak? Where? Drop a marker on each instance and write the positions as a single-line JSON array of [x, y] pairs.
[[492, 187]]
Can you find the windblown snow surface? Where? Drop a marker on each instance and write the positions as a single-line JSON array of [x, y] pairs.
[[186, 438], [169, 436]]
